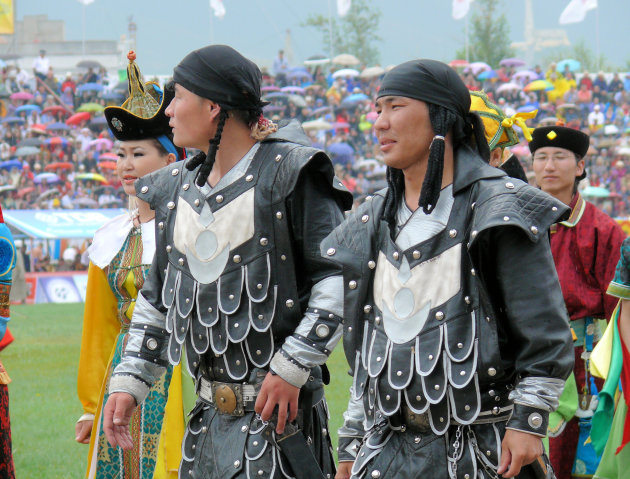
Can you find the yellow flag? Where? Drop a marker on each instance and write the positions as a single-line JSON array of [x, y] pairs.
[[7, 26]]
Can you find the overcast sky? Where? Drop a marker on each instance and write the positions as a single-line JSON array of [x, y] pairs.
[[169, 29]]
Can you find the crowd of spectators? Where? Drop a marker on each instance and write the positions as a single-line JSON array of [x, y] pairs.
[[51, 156]]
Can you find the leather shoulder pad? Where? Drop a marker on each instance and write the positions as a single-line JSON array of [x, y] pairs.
[[352, 240], [507, 201], [163, 182], [293, 159]]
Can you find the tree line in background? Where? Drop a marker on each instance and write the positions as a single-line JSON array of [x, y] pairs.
[[489, 37]]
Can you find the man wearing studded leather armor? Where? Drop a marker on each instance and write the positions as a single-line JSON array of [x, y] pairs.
[[238, 289], [454, 324]]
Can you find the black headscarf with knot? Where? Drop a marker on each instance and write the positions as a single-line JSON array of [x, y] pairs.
[[448, 100], [224, 76], [430, 81], [221, 74]]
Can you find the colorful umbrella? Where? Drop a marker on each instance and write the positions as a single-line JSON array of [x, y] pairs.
[[48, 177], [487, 75], [13, 120], [512, 62], [539, 85], [77, 118], [316, 125], [55, 109], [26, 151], [293, 89], [573, 65], [8, 164], [21, 95], [509, 87], [299, 75], [25, 191], [107, 165], [346, 73], [346, 59], [372, 72], [478, 67], [91, 107], [31, 142], [59, 165], [595, 192], [101, 144], [57, 126], [525, 75], [270, 88], [457, 63], [108, 156], [56, 141], [28, 108], [89, 87], [90, 176]]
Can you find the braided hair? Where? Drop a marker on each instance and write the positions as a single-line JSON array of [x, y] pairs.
[[468, 131], [207, 160], [254, 119]]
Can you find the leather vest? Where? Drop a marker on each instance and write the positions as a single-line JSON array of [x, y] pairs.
[[420, 329], [229, 286]]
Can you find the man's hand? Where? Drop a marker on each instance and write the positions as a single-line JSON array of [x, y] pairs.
[[83, 431], [344, 470], [116, 418], [517, 450], [275, 391]]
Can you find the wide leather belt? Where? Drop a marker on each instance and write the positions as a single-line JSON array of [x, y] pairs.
[[234, 399], [420, 422]]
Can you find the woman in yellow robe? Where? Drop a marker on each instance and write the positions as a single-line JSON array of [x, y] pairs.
[[120, 256]]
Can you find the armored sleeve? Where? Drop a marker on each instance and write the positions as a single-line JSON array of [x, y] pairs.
[[524, 278], [145, 356], [314, 212]]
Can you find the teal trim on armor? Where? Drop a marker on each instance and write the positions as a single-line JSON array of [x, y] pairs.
[[618, 290]]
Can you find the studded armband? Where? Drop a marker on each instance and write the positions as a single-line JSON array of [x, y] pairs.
[[528, 419], [348, 447], [323, 330], [152, 346]]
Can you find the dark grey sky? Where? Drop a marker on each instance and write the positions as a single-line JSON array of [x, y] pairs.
[[168, 29]]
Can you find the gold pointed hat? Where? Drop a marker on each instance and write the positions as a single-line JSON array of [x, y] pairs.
[[142, 115]]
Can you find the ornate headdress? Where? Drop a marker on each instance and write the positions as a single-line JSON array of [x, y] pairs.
[[142, 115]]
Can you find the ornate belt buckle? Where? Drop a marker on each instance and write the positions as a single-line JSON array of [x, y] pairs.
[[228, 398]]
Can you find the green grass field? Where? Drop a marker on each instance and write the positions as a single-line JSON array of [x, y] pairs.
[[42, 362]]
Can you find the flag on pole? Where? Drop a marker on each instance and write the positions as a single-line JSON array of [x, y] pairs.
[[576, 10], [460, 8], [343, 7], [7, 24], [218, 8]]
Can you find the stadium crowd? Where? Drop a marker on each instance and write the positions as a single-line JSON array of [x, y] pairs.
[[56, 151]]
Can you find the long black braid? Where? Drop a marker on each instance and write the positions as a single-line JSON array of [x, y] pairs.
[[207, 161], [464, 131]]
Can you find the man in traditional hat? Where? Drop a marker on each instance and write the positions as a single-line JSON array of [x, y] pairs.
[[447, 276], [585, 250], [500, 133], [238, 282]]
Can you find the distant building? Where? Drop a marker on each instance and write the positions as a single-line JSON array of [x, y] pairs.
[[38, 32]]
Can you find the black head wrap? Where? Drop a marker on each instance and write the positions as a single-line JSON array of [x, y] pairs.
[[221, 74], [429, 81], [448, 99]]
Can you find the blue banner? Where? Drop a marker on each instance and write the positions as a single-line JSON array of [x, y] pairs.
[[55, 224]]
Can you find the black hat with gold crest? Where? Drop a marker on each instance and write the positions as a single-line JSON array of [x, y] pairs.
[[560, 137], [142, 116]]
